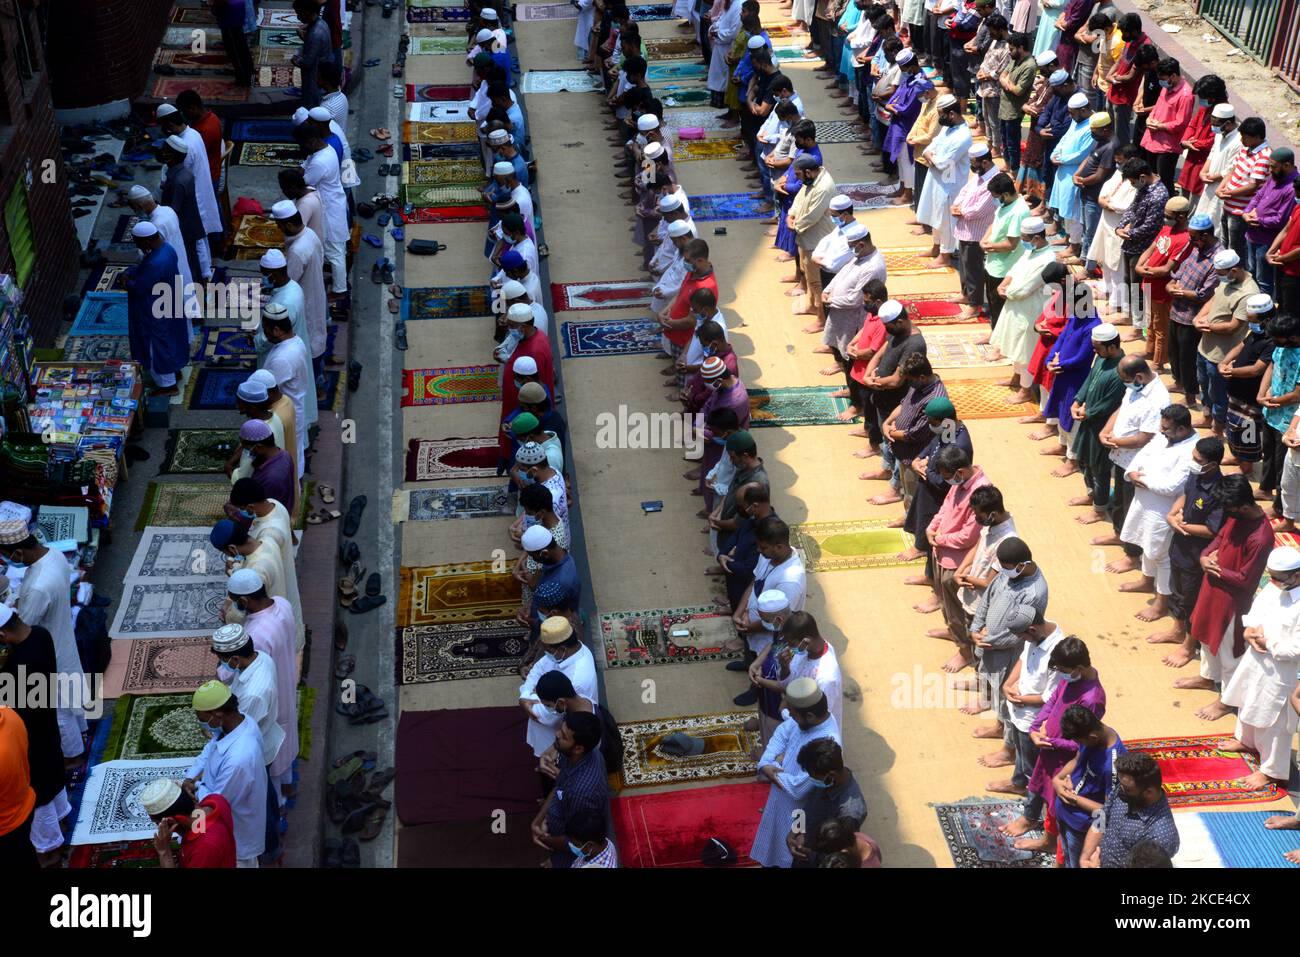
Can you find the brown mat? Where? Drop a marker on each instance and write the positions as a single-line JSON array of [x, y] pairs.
[[488, 842], [463, 591]]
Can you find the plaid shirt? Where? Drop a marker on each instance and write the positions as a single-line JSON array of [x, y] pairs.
[[578, 787], [977, 206], [1196, 273], [1144, 218]]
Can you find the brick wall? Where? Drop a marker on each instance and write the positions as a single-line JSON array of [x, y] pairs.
[[101, 50]]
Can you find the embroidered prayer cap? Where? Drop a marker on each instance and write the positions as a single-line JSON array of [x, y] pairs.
[[1224, 111], [165, 109], [5, 614], [178, 144], [1032, 226], [300, 116], [502, 168], [856, 233], [487, 13], [670, 202], [678, 227], [1200, 223], [890, 310], [755, 42], [144, 229], [512, 259], [556, 630], [534, 393], [520, 312], [158, 795], [1260, 304], [1176, 205], [547, 594], [978, 150], [265, 376], [653, 151], [210, 696], [1078, 101], [1284, 559], [807, 161], [1057, 78], [803, 693], [513, 288], [284, 209], [319, 114], [138, 192], [229, 638], [536, 537], [1099, 121], [647, 122], [483, 36], [940, 408], [1104, 332], [1226, 259], [525, 423], [13, 531], [1283, 154], [772, 601], [273, 259], [741, 441], [499, 137], [244, 581], [525, 365], [530, 453], [946, 102], [255, 430], [840, 202], [904, 56], [275, 311], [713, 368], [1046, 57]]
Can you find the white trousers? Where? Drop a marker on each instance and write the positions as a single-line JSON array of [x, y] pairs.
[[1291, 483], [336, 254], [1273, 744], [72, 725], [1221, 666], [1022, 370], [46, 834], [1074, 230], [205, 258], [1157, 567], [906, 170]]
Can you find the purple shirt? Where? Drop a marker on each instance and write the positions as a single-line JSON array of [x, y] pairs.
[[279, 477], [907, 102], [736, 399], [1273, 202], [1088, 693]]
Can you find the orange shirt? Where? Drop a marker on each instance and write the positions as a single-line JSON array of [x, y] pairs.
[[17, 799], [210, 129]]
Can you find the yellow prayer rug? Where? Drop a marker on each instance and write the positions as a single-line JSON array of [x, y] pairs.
[[464, 591], [984, 399], [438, 132], [726, 754], [958, 350], [844, 546]]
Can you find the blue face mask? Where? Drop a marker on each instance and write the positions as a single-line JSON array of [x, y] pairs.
[[1029, 247], [1256, 328], [575, 849], [718, 440], [1167, 84], [246, 515], [1135, 386], [819, 784], [1202, 101]]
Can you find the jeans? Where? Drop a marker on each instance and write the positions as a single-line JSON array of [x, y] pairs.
[[1072, 842], [1235, 230], [1011, 143], [765, 173], [1258, 266], [1091, 220], [1026, 757], [1214, 387], [1123, 125]]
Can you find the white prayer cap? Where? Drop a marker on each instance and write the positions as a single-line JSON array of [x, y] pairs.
[[1259, 304], [904, 56], [755, 42], [5, 614], [251, 391], [539, 536], [856, 233], [1224, 111], [178, 144], [1078, 101], [803, 693], [483, 36], [513, 289], [275, 311], [678, 227], [840, 202], [670, 202], [264, 376], [499, 137], [647, 122], [526, 365], [520, 312], [890, 310], [1284, 559], [1058, 77], [1032, 226], [273, 259], [284, 209], [946, 102], [1226, 259], [1104, 332], [138, 192], [487, 13], [158, 795], [531, 453], [978, 150], [773, 600], [232, 637], [144, 229], [653, 151], [502, 168], [300, 116], [244, 581], [319, 114], [1046, 57], [165, 109]]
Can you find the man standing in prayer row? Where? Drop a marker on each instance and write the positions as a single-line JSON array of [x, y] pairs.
[[810, 219], [283, 291], [158, 329], [948, 163], [194, 157], [270, 524], [581, 787], [1024, 294], [143, 205], [231, 765], [973, 209], [178, 192], [562, 651], [289, 360], [304, 255], [321, 170], [951, 534]]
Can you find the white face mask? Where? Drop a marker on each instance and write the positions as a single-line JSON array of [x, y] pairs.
[[1194, 468], [1010, 572], [769, 626]]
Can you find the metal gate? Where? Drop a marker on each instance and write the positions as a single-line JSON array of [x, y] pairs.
[[1251, 24], [1286, 51]]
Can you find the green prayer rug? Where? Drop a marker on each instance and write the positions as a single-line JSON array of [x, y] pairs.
[[799, 405], [155, 727], [192, 504], [306, 705], [198, 451], [843, 546]]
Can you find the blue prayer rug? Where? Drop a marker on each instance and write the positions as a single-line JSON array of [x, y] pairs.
[[96, 348], [838, 131], [971, 829], [101, 314], [446, 302], [225, 342], [675, 70], [634, 337], [215, 389], [715, 206], [262, 131], [651, 11], [424, 152], [122, 231]]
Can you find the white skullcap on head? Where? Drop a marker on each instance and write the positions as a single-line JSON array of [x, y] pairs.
[[138, 192], [670, 202], [840, 202], [275, 311], [647, 122], [502, 168], [251, 390], [513, 289], [520, 312], [244, 581], [678, 227], [526, 365], [1078, 101], [498, 137], [890, 310], [483, 35], [904, 56], [536, 538], [178, 144], [653, 151], [1104, 332], [158, 795], [1226, 259], [319, 114], [5, 614], [755, 42], [1032, 226], [264, 376], [284, 209], [946, 102], [856, 233], [300, 116], [273, 259], [1046, 57], [772, 601], [487, 13], [144, 229], [979, 149], [1259, 304], [165, 109], [1284, 559], [1224, 111]]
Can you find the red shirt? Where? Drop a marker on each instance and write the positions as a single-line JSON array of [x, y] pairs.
[[331, 13], [215, 846], [871, 337], [210, 129], [1290, 241], [681, 307], [1124, 94], [1168, 247]]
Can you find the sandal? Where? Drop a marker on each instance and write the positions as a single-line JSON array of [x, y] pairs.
[[323, 516], [395, 306], [367, 758], [380, 780], [345, 666], [395, 291], [381, 133], [374, 823], [341, 772], [326, 493], [352, 524], [366, 603], [399, 336], [347, 593]]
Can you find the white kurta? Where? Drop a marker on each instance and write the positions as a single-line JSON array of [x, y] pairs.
[[825, 670], [290, 296], [196, 161], [232, 766], [312, 213], [44, 600], [1263, 681], [265, 560], [833, 253], [322, 171], [580, 669], [790, 578], [1106, 246], [290, 362], [1138, 412], [275, 527], [665, 290], [1164, 469], [1026, 296], [1223, 154], [723, 33], [949, 159], [791, 787], [843, 297], [273, 631], [667, 249], [256, 688], [524, 200], [586, 19], [305, 255]]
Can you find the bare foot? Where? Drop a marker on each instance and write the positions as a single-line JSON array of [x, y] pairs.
[[958, 662], [998, 759], [927, 607], [1174, 637], [978, 705], [888, 499], [1258, 781], [1191, 684], [1232, 744], [1214, 711], [1121, 565], [1019, 397], [1111, 539], [1079, 500], [840, 394], [1046, 843], [917, 580], [830, 370], [867, 453], [849, 414], [898, 523], [1153, 612], [966, 684], [1031, 420], [1145, 586], [943, 634], [1283, 822], [1068, 467], [1009, 787], [1055, 450], [880, 475], [822, 350], [1090, 518], [991, 731], [910, 554]]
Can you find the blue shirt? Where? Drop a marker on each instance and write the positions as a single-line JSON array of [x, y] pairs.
[[1093, 777], [745, 68], [565, 575], [517, 161], [578, 787], [337, 145], [516, 116], [1127, 827], [1286, 369]]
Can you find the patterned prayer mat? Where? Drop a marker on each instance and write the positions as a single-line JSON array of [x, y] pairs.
[[447, 302], [278, 56], [262, 131], [726, 750], [101, 314], [200, 16], [439, 132], [177, 609], [107, 278], [155, 727], [460, 592], [196, 504], [59, 523], [445, 172], [122, 231], [670, 828], [635, 337], [660, 72], [306, 706], [437, 15], [560, 81], [971, 829], [677, 95], [280, 37], [800, 405], [277, 19], [164, 665], [281, 76], [425, 46], [1242, 840], [479, 649], [115, 854], [546, 11], [912, 261], [842, 546], [198, 451], [713, 207], [707, 120], [185, 60], [443, 197], [175, 553], [428, 460], [96, 348], [648, 637], [268, 154], [439, 111], [984, 399], [226, 342], [448, 214], [1196, 773], [688, 150], [935, 312], [958, 350], [429, 92], [838, 131], [616, 294], [215, 388], [417, 152], [257, 232], [212, 89], [466, 501], [110, 808], [183, 38], [866, 195], [450, 386], [671, 48]]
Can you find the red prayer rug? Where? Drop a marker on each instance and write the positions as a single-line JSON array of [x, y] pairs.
[[615, 294], [428, 460], [1196, 772], [448, 214], [451, 386], [670, 829], [935, 312], [427, 92]]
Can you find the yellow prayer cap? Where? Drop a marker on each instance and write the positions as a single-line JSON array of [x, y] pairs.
[[211, 696], [1099, 120], [556, 630]]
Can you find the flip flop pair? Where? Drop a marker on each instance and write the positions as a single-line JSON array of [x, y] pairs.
[[381, 133]]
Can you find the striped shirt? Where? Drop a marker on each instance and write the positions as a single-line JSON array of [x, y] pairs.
[[1251, 164], [977, 206]]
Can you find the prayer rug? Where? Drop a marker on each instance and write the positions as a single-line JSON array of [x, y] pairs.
[[688, 150], [659, 72], [671, 828], [262, 131], [96, 348], [459, 592], [101, 314], [211, 89], [306, 707], [971, 829], [437, 15], [185, 38], [841, 546], [115, 854], [800, 405], [866, 195], [465, 501], [546, 11], [439, 111], [122, 232], [268, 154], [279, 56], [110, 808], [196, 505], [451, 386], [707, 120], [788, 53], [423, 46], [199, 15], [448, 214], [682, 96], [479, 649], [463, 764], [636, 337], [281, 76], [198, 451], [257, 232], [712, 207], [226, 342], [155, 727], [615, 294], [1242, 840], [958, 350], [215, 388], [445, 172], [911, 261], [428, 92], [726, 749], [838, 131], [651, 11], [417, 152], [439, 132], [671, 48], [428, 460], [560, 81], [185, 60], [1196, 773], [107, 278], [281, 37], [935, 312], [647, 637], [187, 609], [474, 843], [447, 302], [444, 197], [161, 665], [60, 523], [984, 399], [278, 19]]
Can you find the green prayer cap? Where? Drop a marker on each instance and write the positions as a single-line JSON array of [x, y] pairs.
[[741, 441], [941, 408], [525, 423]]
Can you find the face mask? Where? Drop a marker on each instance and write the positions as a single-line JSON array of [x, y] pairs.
[[266, 282], [246, 515], [1202, 101], [519, 383], [214, 730], [1224, 280], [1167, 84], [819, 784], [1135, 387], [986, 520], [800, 651], [15, 563], [1256, 328], [718, 440], [769, 626], [955, 482], [1069, 678], [577, 851], [1194, 468], [1010, 572], [1029, 247], [709, 350]]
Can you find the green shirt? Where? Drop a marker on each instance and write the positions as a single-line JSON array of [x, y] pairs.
[[1006, 225], [1021, 76]]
